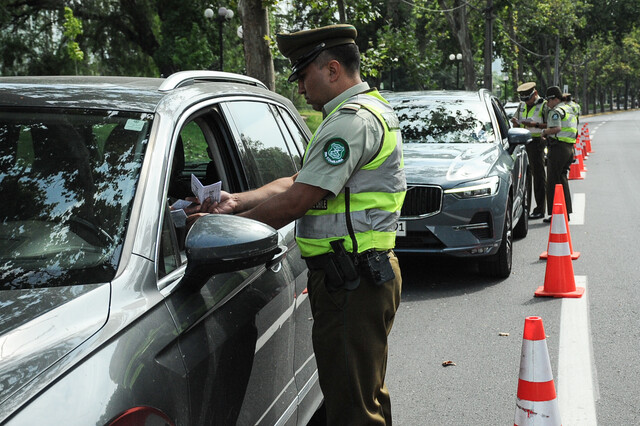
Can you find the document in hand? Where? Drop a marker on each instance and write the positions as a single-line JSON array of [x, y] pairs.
[[203, 192]]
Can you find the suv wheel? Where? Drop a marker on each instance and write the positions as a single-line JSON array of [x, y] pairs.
[[499, 265]]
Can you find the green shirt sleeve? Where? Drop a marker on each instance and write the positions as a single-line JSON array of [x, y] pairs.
[[361, 135], [554, 119]]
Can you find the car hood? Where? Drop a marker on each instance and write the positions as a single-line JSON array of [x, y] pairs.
[[448, 164], [40, 326]]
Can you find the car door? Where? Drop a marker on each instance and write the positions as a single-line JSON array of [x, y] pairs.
[[235, 331], [275, 145], [518, 159], [304, 360]]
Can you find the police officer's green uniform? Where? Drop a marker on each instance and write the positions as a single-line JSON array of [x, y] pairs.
[[561, 149], [536, 175], [356, 154]]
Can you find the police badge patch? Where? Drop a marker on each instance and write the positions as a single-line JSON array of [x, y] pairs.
[[336, 152], [555, 116]]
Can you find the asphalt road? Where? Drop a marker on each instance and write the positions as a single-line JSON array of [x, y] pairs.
[[450, 313]]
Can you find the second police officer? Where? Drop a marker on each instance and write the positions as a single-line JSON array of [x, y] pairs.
[[561, 132], [531, 115]]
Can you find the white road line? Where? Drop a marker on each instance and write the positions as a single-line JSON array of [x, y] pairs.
[[578, 202], [576, 370]]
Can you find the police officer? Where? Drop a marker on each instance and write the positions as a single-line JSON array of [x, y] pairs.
[[531, 115], [561, 132], [346, 199], [568, 100]]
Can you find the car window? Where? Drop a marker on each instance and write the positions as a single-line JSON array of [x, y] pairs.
[[298, 137], [262, 146], [431, 120], [170, 246], [68, 179], [501, 116], [196, 157]]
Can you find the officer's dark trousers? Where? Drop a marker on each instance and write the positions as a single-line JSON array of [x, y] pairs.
[[536, 175], [558, 164], [350, 331]]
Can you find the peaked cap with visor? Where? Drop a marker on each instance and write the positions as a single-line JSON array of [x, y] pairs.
[[525, 90], [302, 47]]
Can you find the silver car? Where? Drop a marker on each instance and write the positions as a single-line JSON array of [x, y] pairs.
[[113, 314], [466, 171]]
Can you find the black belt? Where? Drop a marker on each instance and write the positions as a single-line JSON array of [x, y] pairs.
[[319, 262]]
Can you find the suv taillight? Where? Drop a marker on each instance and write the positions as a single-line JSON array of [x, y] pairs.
[[142, 416]]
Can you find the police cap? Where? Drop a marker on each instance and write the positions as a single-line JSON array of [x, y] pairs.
[[554, 92], [302, 47], [566, 97], [525, 90]]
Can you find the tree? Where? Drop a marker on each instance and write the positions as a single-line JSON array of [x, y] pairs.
[[458, 17], [72, 29], [256, 36]]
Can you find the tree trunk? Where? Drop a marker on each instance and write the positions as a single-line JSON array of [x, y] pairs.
[[585, 87], [460, 27], [341, 12], [255, 26]]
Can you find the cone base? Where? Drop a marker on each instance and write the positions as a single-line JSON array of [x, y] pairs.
[[575, 178], [574, 255], [579, 291]]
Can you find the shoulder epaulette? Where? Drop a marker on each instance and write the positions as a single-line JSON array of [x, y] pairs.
[[351, 107]]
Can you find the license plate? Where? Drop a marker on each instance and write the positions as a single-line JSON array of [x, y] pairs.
[[401, 229]]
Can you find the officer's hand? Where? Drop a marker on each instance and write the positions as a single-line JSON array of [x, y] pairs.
[[194, 207], [226, 205]]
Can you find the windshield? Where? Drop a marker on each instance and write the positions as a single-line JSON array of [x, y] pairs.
[[67, 180], [430, 120]]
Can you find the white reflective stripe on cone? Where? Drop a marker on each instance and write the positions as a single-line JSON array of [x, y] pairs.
[[559, 249], [541, 413], [535, 365], [558, 226]]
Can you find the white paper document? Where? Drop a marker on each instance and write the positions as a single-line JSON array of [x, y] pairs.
[[201, 191], [179, 218], [205, 191]]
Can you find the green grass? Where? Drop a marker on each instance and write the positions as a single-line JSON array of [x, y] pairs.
[[312, 118]]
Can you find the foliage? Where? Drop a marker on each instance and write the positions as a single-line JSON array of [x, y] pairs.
[[405, 44], [312, 118], [72, 29]]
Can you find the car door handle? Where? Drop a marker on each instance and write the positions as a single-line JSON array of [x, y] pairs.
[[275, 264]]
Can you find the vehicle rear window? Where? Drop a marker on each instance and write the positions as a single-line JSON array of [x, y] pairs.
[[430, 120], [67, 180]]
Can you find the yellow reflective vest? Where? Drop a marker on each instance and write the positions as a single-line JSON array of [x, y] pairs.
[[365, 212], [569, 125], [536, 113]]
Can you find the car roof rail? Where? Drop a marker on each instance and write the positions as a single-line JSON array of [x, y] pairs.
[[184, 78]]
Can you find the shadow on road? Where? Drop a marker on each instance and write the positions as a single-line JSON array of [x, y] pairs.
[[432, 277]]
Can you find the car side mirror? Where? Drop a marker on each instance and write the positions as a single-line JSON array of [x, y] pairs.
[[219, 243], [518, 136]]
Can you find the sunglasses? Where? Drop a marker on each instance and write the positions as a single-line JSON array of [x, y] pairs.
[[526, 98]]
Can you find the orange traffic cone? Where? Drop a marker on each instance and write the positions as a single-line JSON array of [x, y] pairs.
[[558, 198], [574, 170], [536, 403], [587, 138], [580, 156], [583, 146], [559, 280]]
